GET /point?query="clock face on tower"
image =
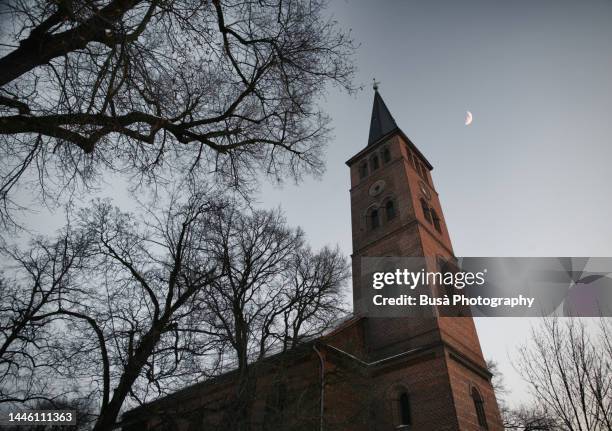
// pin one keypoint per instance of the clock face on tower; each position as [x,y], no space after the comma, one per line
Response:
[377,188]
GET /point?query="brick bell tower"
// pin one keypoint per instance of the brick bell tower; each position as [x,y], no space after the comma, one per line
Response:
[437,378]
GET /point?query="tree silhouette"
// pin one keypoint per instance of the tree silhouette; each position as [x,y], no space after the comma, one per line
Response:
[157,88]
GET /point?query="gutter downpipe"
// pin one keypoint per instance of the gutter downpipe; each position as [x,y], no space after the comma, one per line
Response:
[322,407]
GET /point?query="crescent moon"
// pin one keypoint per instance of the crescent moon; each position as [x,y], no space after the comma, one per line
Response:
[468,118]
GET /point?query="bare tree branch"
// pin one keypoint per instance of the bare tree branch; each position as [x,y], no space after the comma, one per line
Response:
[166,88]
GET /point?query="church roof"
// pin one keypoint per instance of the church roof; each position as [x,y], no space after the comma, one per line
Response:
[341,323]
[382,122]
[383,125]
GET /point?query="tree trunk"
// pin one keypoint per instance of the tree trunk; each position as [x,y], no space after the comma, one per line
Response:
[108,416]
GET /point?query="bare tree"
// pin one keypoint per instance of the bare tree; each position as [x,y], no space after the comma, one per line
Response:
[110,323]
[172,86]
[529,419]
[166,298]
[497,379]
[311,296]
[274,293]
[142,281]
[29,299]
[526,417]
[568,367]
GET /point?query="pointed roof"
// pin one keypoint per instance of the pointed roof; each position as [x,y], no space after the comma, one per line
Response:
[382,125]
[382,122]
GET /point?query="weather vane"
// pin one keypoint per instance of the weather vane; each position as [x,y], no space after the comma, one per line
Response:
[375,84]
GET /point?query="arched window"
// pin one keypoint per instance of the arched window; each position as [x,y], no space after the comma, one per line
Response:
[436,220]
[479,406]
[374,162]
[404,409]
[426,211]
[374,219]
[386,155]
[390,209]
[363,170]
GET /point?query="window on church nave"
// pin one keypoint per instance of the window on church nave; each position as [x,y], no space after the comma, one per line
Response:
[276,404]
[479,406]
[404,409]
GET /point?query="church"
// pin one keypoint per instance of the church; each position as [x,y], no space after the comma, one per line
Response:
[368,373]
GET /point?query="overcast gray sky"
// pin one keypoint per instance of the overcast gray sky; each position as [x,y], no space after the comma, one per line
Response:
[531,176]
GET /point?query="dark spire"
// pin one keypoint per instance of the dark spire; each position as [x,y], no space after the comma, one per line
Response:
[382,121]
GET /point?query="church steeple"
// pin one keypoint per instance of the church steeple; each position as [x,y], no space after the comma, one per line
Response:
[396,213]
[382,122]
